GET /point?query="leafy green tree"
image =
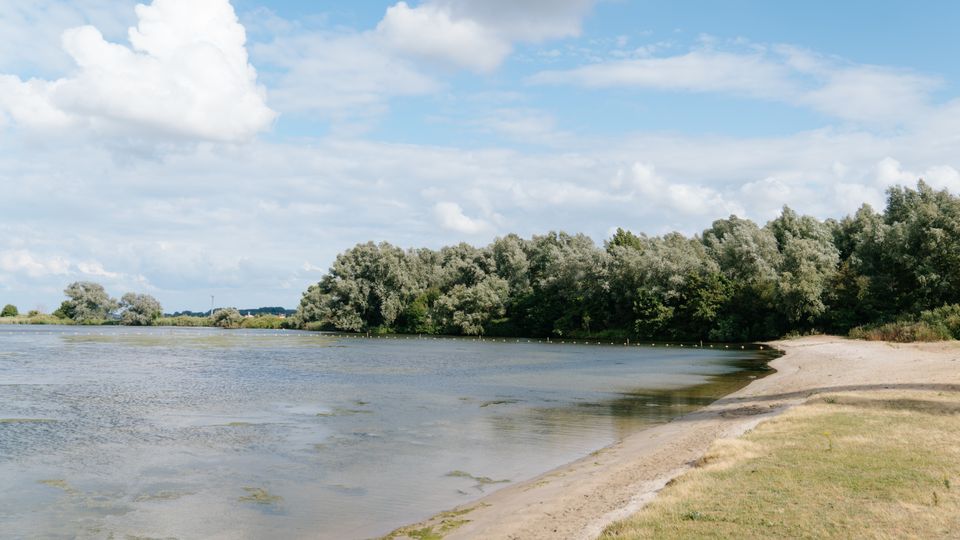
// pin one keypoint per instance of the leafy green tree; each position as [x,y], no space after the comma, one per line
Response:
[625,238]
[809,265]
[469,309]
[226,318]
[139,309]
[9,310]
[87,302]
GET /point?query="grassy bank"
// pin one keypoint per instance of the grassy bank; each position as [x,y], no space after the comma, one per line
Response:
[867,465]
[35,319]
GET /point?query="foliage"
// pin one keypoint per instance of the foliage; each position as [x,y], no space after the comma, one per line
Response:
[139,309]
[226,318]
[737,281]
[87,302]
[34,317]
[9,310]
[901,332]
[183,320]
[268,322]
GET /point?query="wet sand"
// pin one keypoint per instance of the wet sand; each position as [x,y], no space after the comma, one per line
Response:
[577,500]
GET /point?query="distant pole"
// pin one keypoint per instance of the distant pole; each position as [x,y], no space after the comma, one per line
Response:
[211,305]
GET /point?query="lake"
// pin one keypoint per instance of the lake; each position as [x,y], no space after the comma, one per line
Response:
[206,433]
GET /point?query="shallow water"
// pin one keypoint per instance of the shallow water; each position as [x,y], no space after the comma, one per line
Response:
[203,433]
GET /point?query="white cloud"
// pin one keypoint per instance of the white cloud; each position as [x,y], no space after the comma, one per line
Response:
[867,94]
[186,74]
[651,190]
[477,35]
[699,71]
[527,20]
[451,217]
[339,75]
[23,261]
[890,172]
[429,31]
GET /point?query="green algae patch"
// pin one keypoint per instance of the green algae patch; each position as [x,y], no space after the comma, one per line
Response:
[260,496]
[162,496]
[341,411]
[498,402]
[481,481]
[435,528]
[61,484]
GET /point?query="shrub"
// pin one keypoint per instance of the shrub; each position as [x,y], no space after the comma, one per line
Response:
[227,318]
[183,320]
[902,332]
[9,310]
[946,317]
[271,322]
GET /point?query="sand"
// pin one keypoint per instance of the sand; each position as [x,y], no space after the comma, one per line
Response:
[577,500]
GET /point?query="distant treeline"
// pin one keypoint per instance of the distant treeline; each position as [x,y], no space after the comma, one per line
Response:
[736,281]
[272,310]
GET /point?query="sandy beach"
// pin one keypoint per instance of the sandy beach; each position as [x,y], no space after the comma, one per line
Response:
[577,500]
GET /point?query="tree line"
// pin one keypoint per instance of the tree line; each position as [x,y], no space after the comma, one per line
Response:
[737,281]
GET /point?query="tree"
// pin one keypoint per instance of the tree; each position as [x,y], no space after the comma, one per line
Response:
[87,302]
[139,309]
[469,309]
[227,318]
[9,310]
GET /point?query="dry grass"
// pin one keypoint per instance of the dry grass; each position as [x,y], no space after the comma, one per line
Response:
[852,465]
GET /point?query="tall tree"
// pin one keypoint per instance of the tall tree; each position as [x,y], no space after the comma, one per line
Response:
[87,301]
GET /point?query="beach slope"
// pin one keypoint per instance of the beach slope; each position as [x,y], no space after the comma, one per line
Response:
[577,500]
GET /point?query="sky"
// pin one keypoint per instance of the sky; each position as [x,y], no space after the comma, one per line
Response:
[189,148]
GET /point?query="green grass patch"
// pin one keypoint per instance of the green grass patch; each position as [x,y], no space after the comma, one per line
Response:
[853,465]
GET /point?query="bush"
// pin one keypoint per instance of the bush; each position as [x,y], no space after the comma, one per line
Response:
[183,320]
[946,317]
[270,322]
[227,318]
[902,332]
[9,310]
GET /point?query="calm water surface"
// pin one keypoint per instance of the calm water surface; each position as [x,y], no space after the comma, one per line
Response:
[202,433]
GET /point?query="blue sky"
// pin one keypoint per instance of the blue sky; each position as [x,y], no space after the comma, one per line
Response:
[185,148]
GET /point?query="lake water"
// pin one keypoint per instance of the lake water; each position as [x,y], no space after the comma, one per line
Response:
[204,433]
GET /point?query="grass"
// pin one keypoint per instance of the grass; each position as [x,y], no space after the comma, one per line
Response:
[852,465]
[35,319]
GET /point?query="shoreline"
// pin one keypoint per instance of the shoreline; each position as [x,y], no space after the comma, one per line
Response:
[579,499]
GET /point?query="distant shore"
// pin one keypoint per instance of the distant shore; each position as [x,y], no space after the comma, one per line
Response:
[577,500]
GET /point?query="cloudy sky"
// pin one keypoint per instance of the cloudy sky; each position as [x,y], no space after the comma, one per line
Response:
[185,148]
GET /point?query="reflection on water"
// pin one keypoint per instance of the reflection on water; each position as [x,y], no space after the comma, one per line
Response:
[246,434]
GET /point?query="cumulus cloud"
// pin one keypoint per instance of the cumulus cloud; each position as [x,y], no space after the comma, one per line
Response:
[652,190]
[429,31]
[891,172]
[185,74]
[450,216]
[477,35]
[23,261]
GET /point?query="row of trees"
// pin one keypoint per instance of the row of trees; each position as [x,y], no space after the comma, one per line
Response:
[89,302]
[736,281]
